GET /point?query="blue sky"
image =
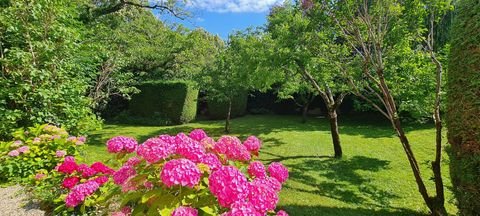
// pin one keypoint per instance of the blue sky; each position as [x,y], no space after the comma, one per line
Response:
[222,17]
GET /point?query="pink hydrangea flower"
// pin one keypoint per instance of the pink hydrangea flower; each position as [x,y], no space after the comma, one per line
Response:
[228,185]
[232,147]
[274,183]
[253,144]
[23,149]
[282,213]
[155,149]
[82,139]
[189,148]
[80,192]
[257,169]
[99,167]
[101,180]
[60,153]
[148,185]
[197,134]
[13,153]
[180,172]
[68,167]
[262,196]
[129,185]
[185,211]
[133,161]
[242,209]
[70,182]
[39,176]
[123,174]
[71,139]
[16,144]
[69,158]
[86,170]
[36,140]
[121,143]
[211,160]
[278,171]
[126,211]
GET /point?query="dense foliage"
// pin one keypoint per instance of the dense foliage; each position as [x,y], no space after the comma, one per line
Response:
[36,150]
[218,109]
[174,101]
[463,106]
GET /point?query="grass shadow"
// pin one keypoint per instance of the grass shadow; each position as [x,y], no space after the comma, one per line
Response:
[301,210]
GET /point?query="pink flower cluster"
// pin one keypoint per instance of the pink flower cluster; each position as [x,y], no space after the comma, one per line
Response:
[155,149]
[233,148]
[197,134]
[185,211]
[18,151]
[229,185]
[121,144]
[278,171]
[253,144]
[94,176]
[180,172]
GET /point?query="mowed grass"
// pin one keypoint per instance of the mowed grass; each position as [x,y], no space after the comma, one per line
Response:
[373,177]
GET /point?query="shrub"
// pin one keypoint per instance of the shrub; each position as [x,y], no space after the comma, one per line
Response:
[37,148]
[186,175]
[218,109]
[174,100]
[463,106]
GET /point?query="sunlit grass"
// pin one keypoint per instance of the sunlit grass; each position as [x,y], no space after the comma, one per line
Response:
[373,177]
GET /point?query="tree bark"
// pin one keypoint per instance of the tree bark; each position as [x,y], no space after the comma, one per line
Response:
[332,116]
[227,121]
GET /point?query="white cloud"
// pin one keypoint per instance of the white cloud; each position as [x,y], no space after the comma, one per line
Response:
[235,6]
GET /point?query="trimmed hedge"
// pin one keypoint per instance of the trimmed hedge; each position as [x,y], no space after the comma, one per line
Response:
[218,109]
[463,106]
[172,100]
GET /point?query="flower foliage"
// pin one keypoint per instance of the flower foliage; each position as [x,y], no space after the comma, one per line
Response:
[19,157]
[183,175]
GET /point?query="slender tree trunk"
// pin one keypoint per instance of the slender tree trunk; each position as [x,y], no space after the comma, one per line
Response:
[305,112]
[332,116]
[227,121]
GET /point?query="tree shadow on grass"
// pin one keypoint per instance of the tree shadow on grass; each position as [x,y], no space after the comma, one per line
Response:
[300,210]
[343,181]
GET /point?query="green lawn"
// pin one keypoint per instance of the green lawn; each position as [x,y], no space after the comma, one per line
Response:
[373,177]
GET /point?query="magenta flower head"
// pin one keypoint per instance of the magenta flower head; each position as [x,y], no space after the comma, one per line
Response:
[257,169]
[68,166]
[212,161]
[262,196]
[155,149]
[39,176]
[253,144]
[232,147]
[207,143]
[99,167]
[282,213]
[242,209]
[133,161]
[60,153]
[278,171]
[197,134]
[23,149]
[13,153]
[80,192]
[82,139]
[123,174]
[228,185]
[180,172]
[86,171]
[189,148]
[101,180]
[121,143]
[185,211]
[70,182]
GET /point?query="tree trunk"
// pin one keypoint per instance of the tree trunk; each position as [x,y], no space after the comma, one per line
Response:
[332,115]
[227,121]
[305,112]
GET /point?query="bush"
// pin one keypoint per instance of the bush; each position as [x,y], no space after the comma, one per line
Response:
[218,109]
[463,106]
[172,175]
[37,148]
[174,100]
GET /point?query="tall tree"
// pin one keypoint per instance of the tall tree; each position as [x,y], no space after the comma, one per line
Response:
[307,47]
[463,106]
[377,32]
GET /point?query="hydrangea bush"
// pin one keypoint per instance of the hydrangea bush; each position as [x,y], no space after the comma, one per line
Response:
[182,175]
[35,151]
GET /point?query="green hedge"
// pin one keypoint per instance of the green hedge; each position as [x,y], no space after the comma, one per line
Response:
[463,106]
[173,100]
[218,109]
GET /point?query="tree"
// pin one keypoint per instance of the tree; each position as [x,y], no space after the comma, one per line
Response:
[463,109]
[307,48]
[377,31]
